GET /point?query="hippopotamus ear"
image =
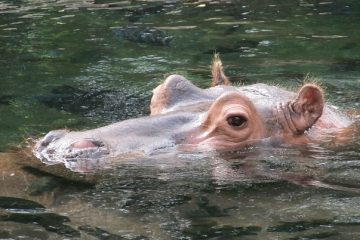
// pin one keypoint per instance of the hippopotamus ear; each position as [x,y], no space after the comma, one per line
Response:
[217,72]
[307,107]
[174,92]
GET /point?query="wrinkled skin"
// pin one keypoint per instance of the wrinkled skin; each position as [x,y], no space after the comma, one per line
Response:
[271,112]
[187,118]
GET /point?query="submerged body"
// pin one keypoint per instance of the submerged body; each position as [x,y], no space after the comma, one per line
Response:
[183,116]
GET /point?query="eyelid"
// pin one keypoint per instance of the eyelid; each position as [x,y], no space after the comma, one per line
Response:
[234,110]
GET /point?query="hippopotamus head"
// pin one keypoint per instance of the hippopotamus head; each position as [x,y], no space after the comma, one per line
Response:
[187,118]
[234,117]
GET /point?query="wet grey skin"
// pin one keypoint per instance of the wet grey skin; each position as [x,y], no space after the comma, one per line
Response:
[183,112]
[268,100]
[142,135]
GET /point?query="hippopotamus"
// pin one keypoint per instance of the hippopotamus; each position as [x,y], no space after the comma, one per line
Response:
[185,117]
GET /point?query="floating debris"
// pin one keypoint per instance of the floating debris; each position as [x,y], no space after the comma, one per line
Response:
[143,35]
[52,222]
[19,203]
[329,36]
[5,100]
[239,46]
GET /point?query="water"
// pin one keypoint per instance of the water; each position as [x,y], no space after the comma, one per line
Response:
[63,65]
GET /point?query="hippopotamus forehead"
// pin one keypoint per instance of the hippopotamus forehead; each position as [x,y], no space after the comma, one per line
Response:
[253,92]
[179,94]
[263,91]
[262,96]
[265,97]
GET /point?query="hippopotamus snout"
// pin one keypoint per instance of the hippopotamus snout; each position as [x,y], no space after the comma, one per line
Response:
[61,146]
[42,149]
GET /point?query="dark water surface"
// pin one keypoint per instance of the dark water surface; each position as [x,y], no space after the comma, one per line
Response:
[67,63]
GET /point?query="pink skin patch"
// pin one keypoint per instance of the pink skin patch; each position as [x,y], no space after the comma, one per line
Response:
[83,144]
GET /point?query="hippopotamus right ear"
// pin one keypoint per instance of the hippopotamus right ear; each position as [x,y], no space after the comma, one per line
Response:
[307,107]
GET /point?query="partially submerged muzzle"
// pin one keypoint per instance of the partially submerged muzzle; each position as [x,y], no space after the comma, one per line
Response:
[53,149]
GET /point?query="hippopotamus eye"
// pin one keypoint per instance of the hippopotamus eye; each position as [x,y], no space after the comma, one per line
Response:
[236,121]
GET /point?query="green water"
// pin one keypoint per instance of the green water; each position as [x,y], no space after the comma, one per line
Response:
[63,66]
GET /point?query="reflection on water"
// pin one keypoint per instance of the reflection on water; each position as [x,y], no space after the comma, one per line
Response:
[283,193]
[63,65]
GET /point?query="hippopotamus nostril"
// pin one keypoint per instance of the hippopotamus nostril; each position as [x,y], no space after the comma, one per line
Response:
[50,151]
[87,143]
